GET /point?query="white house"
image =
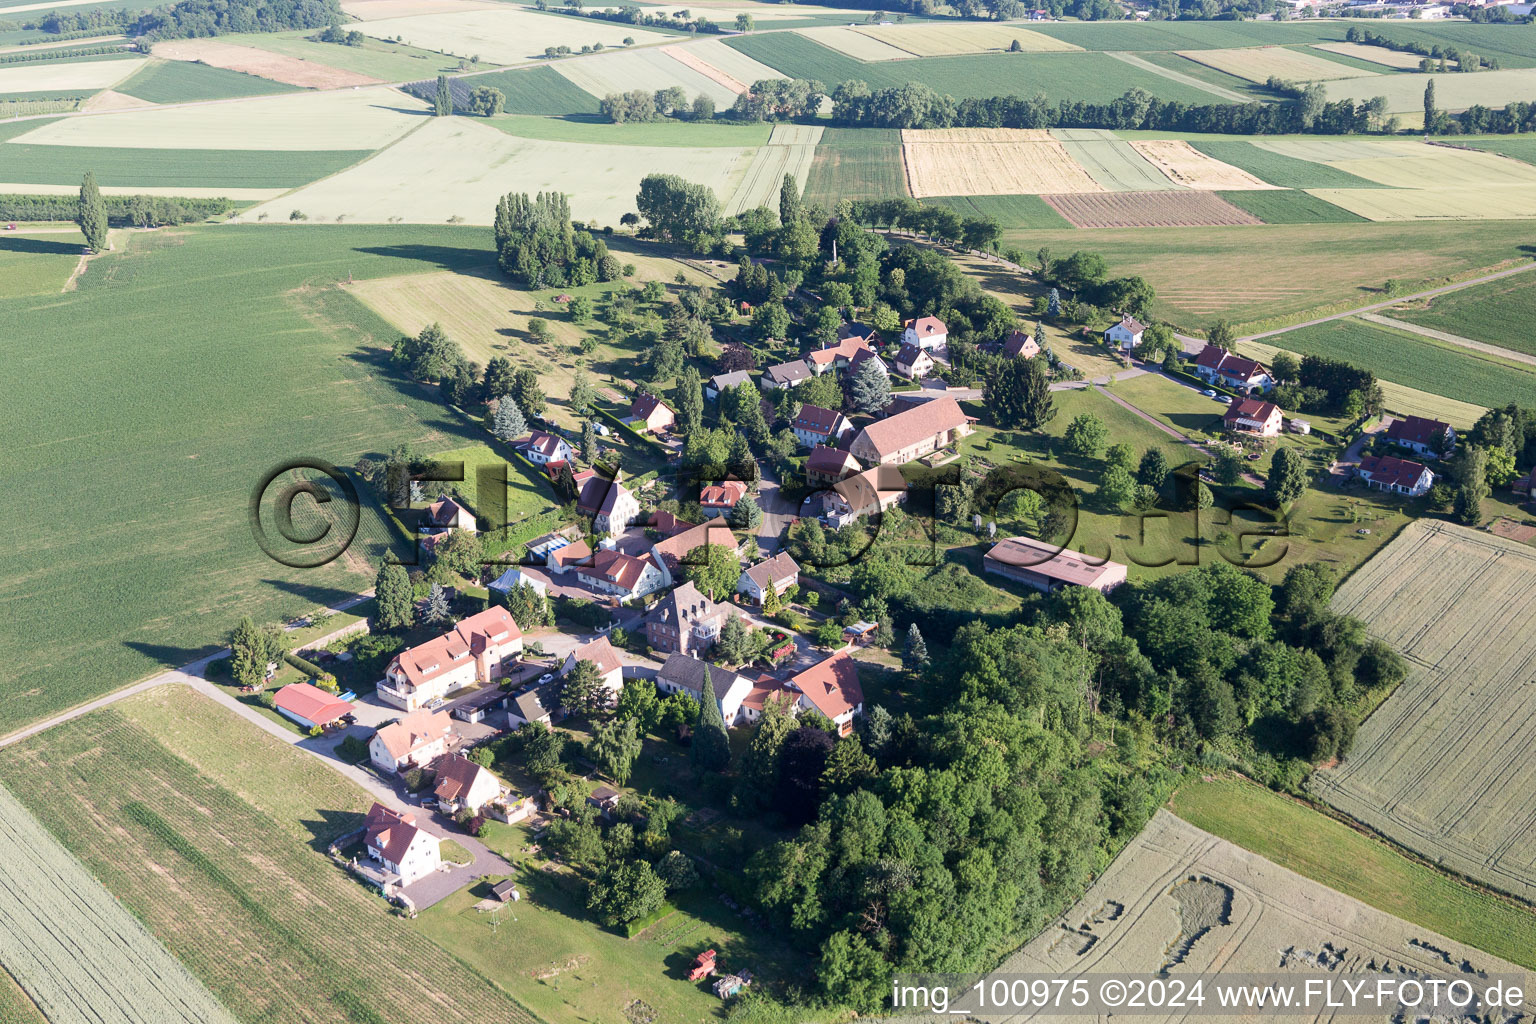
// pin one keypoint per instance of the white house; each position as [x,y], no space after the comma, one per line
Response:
[814,425]
[785,375]
[609,503]
[1219,366]
[1126,334]
[779,573]
[600,653]
[542,448]
[395,842]
[729,689]
[629,577]
[1398,476]
[722,382]
[913,361]
[446,514]
[478,650]
[926,332]
[1424,436]
[1251,416]
[462,785]
[831,687]
[417,739]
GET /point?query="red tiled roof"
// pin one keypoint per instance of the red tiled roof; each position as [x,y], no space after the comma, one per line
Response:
[444,511]
[779,567]
[1020,344]
[832,686]
[677,547]
[1417,430]
[598,494]
[310,703]
[1250,409]
[574,553]
[544,443]
[845,349]
[926,325]
[455,775]
[470,637]
[390,832]
[666,523]
[600,653]
[414,731]
[722,495]
[830,461]
[644,405]
[617,568]
[1131,324]
[813,419]
[1388,469]
[1228,364]
[1062,564]
[913,425]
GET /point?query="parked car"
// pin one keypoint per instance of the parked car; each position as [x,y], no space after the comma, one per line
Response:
[1209,393]
[547,677]
[435,703]
[1225,399]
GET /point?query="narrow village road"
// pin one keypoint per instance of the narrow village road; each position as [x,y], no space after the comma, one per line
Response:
[1177,435]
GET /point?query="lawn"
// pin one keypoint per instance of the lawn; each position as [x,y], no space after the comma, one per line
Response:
[598,131]
[856,163]
[1285,171]
[179,81]
[1290,206]
[1499,313]
[527,492]
[207,169]
[36,264]
[1295,836]
[539,90]
[227,351]
[1012,212]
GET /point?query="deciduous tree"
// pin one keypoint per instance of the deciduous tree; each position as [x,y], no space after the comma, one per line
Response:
[394,607]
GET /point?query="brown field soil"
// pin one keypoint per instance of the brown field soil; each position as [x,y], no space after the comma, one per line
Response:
[1149,210]
[374,10]
[1191,168]
[110,99]
[1007,162]
[707,69]
[263,63]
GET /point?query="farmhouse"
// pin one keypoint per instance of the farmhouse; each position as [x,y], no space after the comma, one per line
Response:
[406,852]
[836,357]
[628,577]
[1424,436]
[814,425]
[462,785]
[1399,476]
[682,673]
[477,650]
[779,573]
[672,552]
[912,433]
[685,621]
[1022,346]
[542,448]
[718,499]
[827,466]
[609,503]
[1252,416]
[914,362]
[447,514]
[722,382]
[925,332]
[875,490]
[1126,334]
[786,375]
[309,705]
[1219,366]
[1049,568]
[650,415]
[831,687]
[600,653]
[417,739]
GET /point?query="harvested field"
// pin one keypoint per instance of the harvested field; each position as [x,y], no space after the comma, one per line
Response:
[790,150]
[85,76]
[74,950]
[1182,900]
[1467,202]
[1148,210]
[1445,765]
[379,59]
[377,10]
[1112,163]
[1277,169]
[1012,162]
[850,42]
[262,63]
[1453,90]
[728,61]
[1421,166]
[937,39]
[1259,63]
[1375,54]
[109,99]
[856,163]
[506,35]
[1187,166]
[690,59]
[640,69]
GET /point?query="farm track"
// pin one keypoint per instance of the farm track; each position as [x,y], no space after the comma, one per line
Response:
[1453,339]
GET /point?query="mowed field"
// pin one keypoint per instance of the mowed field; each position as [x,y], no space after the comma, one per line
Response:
[1182,163]
[1279,169]
[63,76]
[34,264]
[379,59]
[648,69]
[1113,164]
[226,864]
[251,60]
[1445,765]
[1498,313]
[990,161]
[1260,63]
[1453,90]
[850,42]
[1148,210]
[504,34]
[1399,59]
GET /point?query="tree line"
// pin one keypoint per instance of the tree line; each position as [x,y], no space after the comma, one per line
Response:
[187,19]
[120,211]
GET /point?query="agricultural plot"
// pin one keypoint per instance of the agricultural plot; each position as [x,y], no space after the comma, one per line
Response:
[1497,313]
[598,131]
[1516,147]
[724,60]
[231,173]
[1182,163]
[378,59]
[1113,164]
[1290,206]
[990,161]
[377,10]
[35,264]
[790,150]
[175,81]
[506,35]
[1148,210]
[109,100]
[1444,766]
[249,60]
[86,76]
[1260,63]
[640,69]
[1188,35]
[1012,212]
[1177,69]
[458,168]
[1403,164]
[1453,90]
[1469,202]
[529,91]
[1398,59]
[856,163]
[938,39]
[1277,169]
[76,952]
[850,42]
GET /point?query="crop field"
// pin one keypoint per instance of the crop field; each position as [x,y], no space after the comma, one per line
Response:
[850,42]
[1290,206]
[375,10]
[856,163]
[1443,766]
[35,264]
[1113,164]
[1453,90]
[1413,165]
[86,76]
[689,59]
[1179,69]
[948,163]
[725,60]
[540,91]
[1189,35]
[595,130]
[1498,313]
[1467,202]
[458,167]
[74,949]
[1374,54]
[937,39]
[243,895]
[1184,164]
[108,100]
[211,172]
[506,35]
[1260,63]
[1148,210]
[348,119]
[176,81]
[1514,49]
[790,150]
[1517,147]
[1278,169]
[378,59]
[649,69]
[1009,211]
[251,60]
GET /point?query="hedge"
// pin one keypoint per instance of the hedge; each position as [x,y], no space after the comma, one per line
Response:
[122,211]
[37,55]
[661,449]
[640,924]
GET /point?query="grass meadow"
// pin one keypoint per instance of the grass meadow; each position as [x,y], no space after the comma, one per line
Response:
[179,81]
[198,358]
[383,59]
[856,163]
[1499,313]
[35,264]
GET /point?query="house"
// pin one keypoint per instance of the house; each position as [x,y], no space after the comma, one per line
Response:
[600,653]
[668,525]
[1049,568]
[541,546]
[477,650]
[1126,334]
[779,572]
[474,708]
[1252,416]
[672,553]
[785,375]
[765,688]
[859,332]
[914,362]
[685,621]
[911,433]
[686,674]
[718,499]
[417,739]
[406,852]
[627,576]
[875,490]
[542,448]
[609,503]
[831,686]
[564,559]
[514,578]
[447,514]
[1399,476]
[925,332]
[1019,345]
[722,382]
[1216,365]
[650,415]
[463,785]
[533,707]
[309,706]
[1522,485]
[826,466]
[814,425]
[1427,437]
[866,355]
[837,356]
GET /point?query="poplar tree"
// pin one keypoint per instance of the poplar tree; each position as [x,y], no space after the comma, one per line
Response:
[444,105]
[92,214]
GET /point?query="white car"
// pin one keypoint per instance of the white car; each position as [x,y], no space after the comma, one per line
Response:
[1208,393]
[547,677]
[1225,399]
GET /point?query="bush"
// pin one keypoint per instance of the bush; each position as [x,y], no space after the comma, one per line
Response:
[417,779]
[352,750]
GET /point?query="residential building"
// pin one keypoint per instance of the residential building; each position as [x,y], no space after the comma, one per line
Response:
[514,578]
[667,524]
[912,433]
[627,576]
[1019,345]
[875,490]
[447,514]
[1398,476]
[826,466]
[478,650]
[563,559]
[1426,437]
[1049,568]
[765,688]
[462,785]
[838,356]
[672,553]
[650,415]
[779,573]
[309,705]
[865,355]
[406,851]
[1219,366]
[722,382]
[785,375]
[600,653]
[831,686]
[814,425]
[686,674]
[609,503]
[863,333]
[1126,334]
[1251,416]
[542,448]
[685,621]
[414,741]
[718,499]
[914,362]
[925,332]
[536,706]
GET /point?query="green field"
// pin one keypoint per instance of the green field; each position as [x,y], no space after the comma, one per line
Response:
[388,61]
[1297,837]
[595,130]
[1204,73]
[35,264]
[26,163]
[1009,211]
[64,56]
[1514,47]
[227,351]
[1418,362]
[1290,206]
[179,81]
[1285,171]
[1189,35]
[528,493]
[1499,313]
[537,90]
[1519,147]
[1089,77]
[856,163]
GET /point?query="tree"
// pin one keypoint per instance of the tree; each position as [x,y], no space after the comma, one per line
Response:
[1019,395]
[744,22]
[829,634]
[443,105]
[1153,469]
[1431,115]
[624,892]
[869,390]
[735,644]
[437,611]
[588,442]
[486,101]
[580,309]
[461,552]
[1228,468]
[1471,474]
[1284,366]
[508,423]
[676,871]
[916,655]
[745,515]
[616,747]
[582,690]
[91,214]
[1220,334]
[1287,477]
[789,200]
[527,392]
[688,401]
[252,649]
[1022,506]
[1053,307]
[852,972]
[711,750]
[703,107]
[1086,436]
[1117,490]
[714,570]
[1120,455]
[678,208]
[394,607]
[640,702]
[770,321]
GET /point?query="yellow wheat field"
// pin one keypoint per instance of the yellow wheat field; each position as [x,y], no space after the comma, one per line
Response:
[1463,202]
[1187,166]
[85,75]
[851,43]
[1375,54]
[990,161]
[506,35]
[1259,63]
[935,39]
